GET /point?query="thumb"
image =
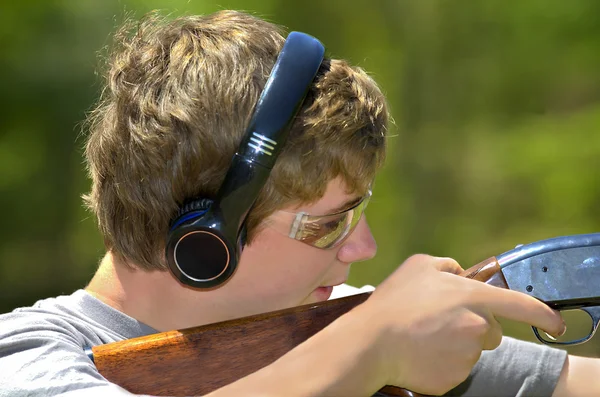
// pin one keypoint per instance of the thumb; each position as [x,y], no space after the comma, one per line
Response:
[447,265]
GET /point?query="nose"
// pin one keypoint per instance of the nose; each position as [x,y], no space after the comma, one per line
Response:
[360,245]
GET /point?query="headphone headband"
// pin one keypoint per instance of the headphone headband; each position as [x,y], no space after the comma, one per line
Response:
[282,96]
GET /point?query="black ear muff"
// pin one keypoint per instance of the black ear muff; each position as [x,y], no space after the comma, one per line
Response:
[194,205]
[189,210]
[205,241]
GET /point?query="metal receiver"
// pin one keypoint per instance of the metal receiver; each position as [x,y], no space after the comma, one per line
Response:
[563,272]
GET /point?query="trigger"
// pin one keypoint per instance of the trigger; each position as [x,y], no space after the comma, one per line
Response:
[550,341]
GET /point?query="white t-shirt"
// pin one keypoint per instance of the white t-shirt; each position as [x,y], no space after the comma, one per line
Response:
[339,291]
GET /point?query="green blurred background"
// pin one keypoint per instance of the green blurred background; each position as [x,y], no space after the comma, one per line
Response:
[496,103]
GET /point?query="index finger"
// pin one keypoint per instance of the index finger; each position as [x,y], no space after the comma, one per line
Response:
[518,306]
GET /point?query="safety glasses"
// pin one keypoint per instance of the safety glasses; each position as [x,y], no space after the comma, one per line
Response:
[321,231]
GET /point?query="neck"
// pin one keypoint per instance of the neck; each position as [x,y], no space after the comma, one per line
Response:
[153,297]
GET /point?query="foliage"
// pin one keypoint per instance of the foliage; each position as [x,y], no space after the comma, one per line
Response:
[495,103]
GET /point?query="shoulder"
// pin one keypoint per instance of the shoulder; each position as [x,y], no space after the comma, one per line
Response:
[38,349]
[58,325]
[42,346]
[69,318]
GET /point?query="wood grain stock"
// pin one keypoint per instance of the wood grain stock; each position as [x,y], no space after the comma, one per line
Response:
[488,272]
[199,360]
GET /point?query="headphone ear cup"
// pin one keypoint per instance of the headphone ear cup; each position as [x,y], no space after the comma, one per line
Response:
[198,253]
[194,205]
[201,205]
[243,235]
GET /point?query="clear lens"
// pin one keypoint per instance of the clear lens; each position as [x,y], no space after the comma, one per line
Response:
[325,231]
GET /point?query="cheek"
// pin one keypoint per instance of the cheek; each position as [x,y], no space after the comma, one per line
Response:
[275,267]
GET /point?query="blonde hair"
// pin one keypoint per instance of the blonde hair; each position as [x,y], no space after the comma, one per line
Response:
[178,97]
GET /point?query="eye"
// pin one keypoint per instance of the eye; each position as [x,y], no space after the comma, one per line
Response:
[352,204]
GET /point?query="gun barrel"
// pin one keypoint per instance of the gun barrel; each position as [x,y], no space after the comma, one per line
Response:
[527,251]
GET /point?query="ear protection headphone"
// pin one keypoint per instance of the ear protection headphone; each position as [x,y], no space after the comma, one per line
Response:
[206,238]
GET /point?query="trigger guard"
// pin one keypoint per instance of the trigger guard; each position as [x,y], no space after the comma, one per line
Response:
[536,332]
[593,312]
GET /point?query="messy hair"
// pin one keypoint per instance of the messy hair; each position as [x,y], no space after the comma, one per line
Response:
[178,96]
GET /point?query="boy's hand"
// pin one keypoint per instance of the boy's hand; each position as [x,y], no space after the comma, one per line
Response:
[433,325]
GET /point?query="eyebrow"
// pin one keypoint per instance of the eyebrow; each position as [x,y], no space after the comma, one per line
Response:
[345,205]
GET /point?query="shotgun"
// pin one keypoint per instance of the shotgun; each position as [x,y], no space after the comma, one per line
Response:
[563,272]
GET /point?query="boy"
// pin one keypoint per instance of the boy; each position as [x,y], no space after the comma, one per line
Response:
[179,95]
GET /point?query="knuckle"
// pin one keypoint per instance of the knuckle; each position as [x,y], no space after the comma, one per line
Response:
[471,293]
[450,261]
[495,342]
[472,357]
[477,325]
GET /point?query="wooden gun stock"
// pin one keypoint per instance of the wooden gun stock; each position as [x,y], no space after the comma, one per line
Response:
[199,360]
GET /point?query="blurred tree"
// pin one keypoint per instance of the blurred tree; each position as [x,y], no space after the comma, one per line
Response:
[495,103]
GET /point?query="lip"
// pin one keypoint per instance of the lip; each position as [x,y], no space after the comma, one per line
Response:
[325,291]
